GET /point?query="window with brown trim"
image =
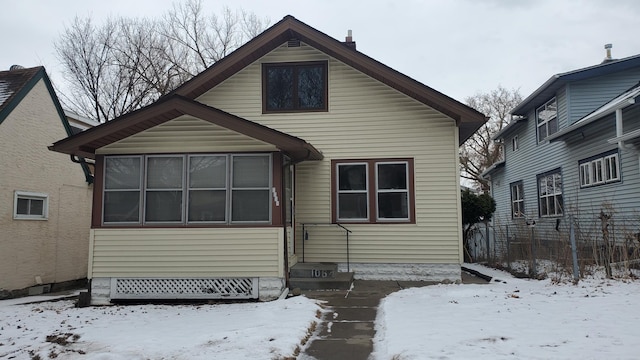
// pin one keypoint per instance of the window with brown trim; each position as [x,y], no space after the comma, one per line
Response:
[184,189]
[294,87]
[373,191]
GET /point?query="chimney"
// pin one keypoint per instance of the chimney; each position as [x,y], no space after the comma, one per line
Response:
[607,57]
[349,40]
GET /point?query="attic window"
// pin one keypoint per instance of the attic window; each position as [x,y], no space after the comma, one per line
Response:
[294,87]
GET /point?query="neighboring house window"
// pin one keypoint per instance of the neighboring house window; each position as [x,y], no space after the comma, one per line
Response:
[547,119]
[514,143]
[373,191]
[517,200]
[295,87]
[30,206]
[550,192]
[194,189]
[600,169]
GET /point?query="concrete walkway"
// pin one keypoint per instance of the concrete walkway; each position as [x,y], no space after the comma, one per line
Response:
[347,327]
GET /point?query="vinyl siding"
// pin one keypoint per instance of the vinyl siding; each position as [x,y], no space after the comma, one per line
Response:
[366,119]
[532,159]
[185,134]
[588,95]
[189,253]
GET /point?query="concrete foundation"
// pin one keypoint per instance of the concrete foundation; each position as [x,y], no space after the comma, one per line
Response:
[405,272]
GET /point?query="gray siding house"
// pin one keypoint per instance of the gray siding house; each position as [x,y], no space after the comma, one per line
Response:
[571,152]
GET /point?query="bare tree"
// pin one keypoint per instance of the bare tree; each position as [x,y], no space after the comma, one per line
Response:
[124,63]
[480,151]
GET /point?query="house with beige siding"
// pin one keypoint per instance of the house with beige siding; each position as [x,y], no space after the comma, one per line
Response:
[294,149]
[45,199]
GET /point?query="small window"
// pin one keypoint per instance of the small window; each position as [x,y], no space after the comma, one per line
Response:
[550,194]
[517,200]
[30,206]
[514,143]
[295,87]
[600,169]
[547,119]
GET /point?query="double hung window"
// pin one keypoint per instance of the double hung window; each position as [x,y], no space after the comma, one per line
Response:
[373,191]
[550,194]
[547,119]
[517,200]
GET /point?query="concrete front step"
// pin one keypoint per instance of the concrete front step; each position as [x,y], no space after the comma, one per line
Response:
[314,270]
[341,281]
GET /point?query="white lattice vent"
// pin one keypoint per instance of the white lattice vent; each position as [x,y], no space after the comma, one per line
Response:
[220,288]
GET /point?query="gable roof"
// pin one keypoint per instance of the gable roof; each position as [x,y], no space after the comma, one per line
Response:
[548,90]
[181,101]
[173,106]
[289,28]
[16,83]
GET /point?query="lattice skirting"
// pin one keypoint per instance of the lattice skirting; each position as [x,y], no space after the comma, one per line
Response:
[176,288]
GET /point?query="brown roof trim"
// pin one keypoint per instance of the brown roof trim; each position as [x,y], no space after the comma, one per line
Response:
[85,143]
[467,118]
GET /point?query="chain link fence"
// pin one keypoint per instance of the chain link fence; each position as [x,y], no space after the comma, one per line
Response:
[568,246]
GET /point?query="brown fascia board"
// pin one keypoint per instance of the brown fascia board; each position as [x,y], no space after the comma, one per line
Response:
[84,144]
[467,118]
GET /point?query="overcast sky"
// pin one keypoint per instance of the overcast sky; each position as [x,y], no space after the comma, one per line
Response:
[458,47]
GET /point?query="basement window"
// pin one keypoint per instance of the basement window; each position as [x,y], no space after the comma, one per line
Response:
[30,206]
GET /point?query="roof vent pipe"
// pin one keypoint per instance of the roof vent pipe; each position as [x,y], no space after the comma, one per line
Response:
[16,67]
[608,47]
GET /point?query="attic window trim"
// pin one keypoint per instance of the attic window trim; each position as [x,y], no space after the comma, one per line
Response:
[296,108]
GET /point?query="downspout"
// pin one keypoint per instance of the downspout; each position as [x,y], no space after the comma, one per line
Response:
[85,167]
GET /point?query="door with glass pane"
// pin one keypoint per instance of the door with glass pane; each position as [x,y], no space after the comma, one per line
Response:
[288,174]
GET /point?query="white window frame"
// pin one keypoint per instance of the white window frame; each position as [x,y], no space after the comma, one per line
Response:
[598,170]
[517,201]
[365,191]
[31,196]
[551,198]
[514,143]
[545,122]
[405,190]
[610,162]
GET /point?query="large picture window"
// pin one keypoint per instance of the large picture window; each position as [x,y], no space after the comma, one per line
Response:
[550,194]
[600,169]
[295,87]
[547,119]
[373,191]
[187,189]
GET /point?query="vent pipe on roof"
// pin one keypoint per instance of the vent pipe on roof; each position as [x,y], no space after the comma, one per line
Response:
[16,67]
[349,40]
[607,57]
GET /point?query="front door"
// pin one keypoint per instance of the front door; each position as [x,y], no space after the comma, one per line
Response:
[288,176]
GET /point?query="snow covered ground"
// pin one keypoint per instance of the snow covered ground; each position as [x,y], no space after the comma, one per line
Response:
[57,329]
[511,319]
[507,319]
